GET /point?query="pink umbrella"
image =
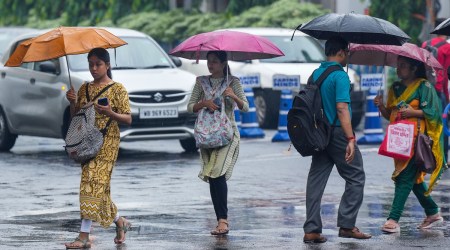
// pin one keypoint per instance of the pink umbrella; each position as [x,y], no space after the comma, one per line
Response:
[371,54]
[238,45]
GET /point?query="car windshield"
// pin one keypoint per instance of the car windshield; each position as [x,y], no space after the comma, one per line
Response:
[139,53]
[302,49]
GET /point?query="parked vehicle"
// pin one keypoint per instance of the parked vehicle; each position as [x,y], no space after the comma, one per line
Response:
[33,102]
[8,34]
[302,55]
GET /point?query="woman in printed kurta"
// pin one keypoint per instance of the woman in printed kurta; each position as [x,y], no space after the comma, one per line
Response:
[423,106]
[218,163]
[95,191]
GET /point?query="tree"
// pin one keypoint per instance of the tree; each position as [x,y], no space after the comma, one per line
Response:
[238,6]
[403,13]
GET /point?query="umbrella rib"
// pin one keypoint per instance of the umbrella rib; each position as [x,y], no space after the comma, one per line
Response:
[96,31]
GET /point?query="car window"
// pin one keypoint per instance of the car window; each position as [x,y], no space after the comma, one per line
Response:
[302,49]
[27,65]
[40,66]
[139,53]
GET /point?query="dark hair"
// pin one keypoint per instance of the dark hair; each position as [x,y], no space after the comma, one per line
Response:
[334,45]
[222,55]
[103,55]
[438,21]
[420,71]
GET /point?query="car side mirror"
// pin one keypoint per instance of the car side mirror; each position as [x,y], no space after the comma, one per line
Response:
[48,67]
[176,61]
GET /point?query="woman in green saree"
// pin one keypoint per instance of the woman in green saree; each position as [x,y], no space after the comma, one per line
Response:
[422,105]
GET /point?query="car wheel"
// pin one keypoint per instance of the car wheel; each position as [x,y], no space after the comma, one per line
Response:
[261,108]
[358,107]
[267,103]
[189,145]
[7,139]
[356,119]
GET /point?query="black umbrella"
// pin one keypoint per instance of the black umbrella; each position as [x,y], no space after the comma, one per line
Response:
[443,28]
[355,28]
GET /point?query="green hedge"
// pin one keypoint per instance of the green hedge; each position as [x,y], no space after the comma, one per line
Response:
[171,27]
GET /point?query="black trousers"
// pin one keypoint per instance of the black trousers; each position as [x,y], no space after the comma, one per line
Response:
[219,192]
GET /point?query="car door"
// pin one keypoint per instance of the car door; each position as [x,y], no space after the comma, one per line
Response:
[43,97]
[13,86]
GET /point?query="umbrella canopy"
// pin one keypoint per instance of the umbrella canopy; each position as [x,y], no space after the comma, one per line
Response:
[238,45]
[63,41]
[355,28]
[443,28]
[371,54]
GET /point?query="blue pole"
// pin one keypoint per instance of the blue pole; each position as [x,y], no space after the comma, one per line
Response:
[373,133]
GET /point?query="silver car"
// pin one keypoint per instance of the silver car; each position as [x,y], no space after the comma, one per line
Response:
[32,97]
[8,34]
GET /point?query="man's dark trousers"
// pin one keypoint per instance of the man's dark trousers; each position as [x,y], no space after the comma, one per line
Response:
[353,174]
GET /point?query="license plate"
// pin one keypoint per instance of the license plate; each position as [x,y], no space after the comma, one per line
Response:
[149,113]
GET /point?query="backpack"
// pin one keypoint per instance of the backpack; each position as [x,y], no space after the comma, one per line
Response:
[434,50]
[84,140]
[307,124]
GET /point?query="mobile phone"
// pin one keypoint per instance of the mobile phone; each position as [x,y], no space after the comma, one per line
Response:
[401,104]
[218,102]
[103,101]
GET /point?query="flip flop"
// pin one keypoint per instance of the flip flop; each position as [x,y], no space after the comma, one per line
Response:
[430,223]
[390,227]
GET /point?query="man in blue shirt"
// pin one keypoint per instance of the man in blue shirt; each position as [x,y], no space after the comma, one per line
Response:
[342,151]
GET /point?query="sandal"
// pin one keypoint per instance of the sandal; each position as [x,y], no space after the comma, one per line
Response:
[126,225]
[84,244]
[391,226]
[431,221]
[218,231]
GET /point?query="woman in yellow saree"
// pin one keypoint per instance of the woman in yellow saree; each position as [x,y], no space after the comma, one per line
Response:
[421,105]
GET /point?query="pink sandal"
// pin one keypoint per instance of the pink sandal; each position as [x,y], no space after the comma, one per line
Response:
[431,221]
[391,226]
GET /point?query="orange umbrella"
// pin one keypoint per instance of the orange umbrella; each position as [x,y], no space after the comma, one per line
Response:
[63,41]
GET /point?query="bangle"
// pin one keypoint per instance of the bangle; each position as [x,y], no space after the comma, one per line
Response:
[352,138]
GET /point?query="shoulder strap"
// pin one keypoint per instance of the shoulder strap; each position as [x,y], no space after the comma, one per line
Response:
[87,92]
[105,129]
[322,77]
[439,44]
[325,74]
[99,93]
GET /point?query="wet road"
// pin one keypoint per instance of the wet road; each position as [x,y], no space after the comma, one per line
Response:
[156,186]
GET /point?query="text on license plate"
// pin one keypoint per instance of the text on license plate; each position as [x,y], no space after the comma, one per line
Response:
[148,113]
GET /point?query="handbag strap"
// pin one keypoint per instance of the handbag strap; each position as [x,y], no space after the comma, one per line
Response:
[207,87]
[105,129]
[418,127]
[99,93]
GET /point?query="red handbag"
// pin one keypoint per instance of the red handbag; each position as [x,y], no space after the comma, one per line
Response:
[398,142]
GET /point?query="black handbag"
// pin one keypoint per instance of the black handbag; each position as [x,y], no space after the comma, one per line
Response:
[424,158]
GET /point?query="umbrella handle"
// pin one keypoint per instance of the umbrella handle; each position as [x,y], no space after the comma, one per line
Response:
[68,71]
[197,53]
